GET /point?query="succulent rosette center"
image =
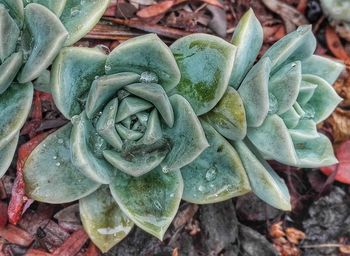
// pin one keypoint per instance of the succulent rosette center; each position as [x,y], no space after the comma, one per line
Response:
[128,112]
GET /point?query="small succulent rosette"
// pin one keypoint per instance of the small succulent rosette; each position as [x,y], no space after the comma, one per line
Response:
[32,32]
[151,125]
[121,155]
[338,13]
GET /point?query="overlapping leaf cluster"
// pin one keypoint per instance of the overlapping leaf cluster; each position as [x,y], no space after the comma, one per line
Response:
[151,125]
[32,32]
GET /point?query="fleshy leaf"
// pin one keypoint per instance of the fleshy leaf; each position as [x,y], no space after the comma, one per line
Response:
[264,182]
[42,83]
[305,130]
[248,37]
[217,174]
[106,125]
[15,104]
[228,116]
[306,91]
[205,62]
[71,76]
[324,100]
[9,69]
[285,84]
[48,35]
[50,175]
[15,8]
[154,129]
[132,56]
[6,154]
[80,16]
[254,93]
[323,67]
[139,159]
[298,45]
[104,88]
[273,140]
[103,220]
[187,138]
[157,201]
[83,154]
[56,6]
[155,94]
[291,118]
[128,134]
[313,152]
[9,33]
[130,106]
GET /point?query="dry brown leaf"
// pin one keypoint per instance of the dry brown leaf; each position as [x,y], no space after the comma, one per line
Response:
[334,44]
[156,9]
[72,245]
[276,230]
[175,252]
[185,215]
[340,123]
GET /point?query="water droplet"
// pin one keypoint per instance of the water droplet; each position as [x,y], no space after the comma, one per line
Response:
[103,48]
[54,157]
[273,104]
[75,119]
[110,122]
[201,188]
[172,195]
[60,141]
[309,111]
[210,175]
[158,205]
[108,68]
[165,169]
[96,77]
[74,11]
[58,164]
[148,77]
[293,65]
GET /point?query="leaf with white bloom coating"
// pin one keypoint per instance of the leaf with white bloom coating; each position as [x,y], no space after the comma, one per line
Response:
[306,91]
[306,129]
[79,17]
[205,62]
[9,33]
[325,68]
[273,140]
[324,100]
[9,69]
[84,148]
[104,88]
[217,174]
[15,8]
[158,198]
[48,35]
[285,84]
[298,45]
[6,154]
[228,116]
[264,182]
[62,182]
[103,220]
[254,93]
[15,104]
[56,6]
[248,37]
[186,137]
[131,56]
[71,76]
[314,152]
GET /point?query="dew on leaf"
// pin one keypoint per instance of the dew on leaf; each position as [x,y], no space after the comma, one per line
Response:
[211,173]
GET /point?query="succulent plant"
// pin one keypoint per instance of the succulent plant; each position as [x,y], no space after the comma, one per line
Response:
[32,32]
[338,13]
[151,125]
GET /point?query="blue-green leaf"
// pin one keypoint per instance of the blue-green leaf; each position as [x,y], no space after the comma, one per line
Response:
[228,116]
[9,69]
[50,175]
[325,68]
[186,137]
[254,93]
[145,53]
[103,220]
[72,74]
[80,16]
[217,174]
[16,11]
[273,140]
[205,62]
[6,154]
[48,35]
[157,201]
[264,182]
[248,37]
